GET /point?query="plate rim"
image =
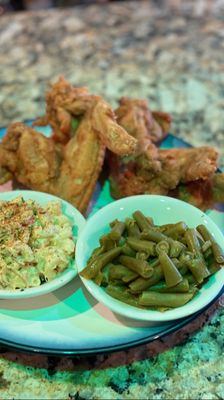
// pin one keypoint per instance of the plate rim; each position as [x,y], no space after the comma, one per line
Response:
[109,349]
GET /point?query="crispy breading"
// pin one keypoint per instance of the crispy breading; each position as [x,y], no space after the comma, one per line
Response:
[153,170]
[71,170]
[177,166]
[68,163]
[203,194]
[65,102]
[147,127]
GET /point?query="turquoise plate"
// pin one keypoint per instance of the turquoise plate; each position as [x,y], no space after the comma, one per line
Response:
[69,321]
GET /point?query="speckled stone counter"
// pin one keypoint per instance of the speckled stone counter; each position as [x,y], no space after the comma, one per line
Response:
[170,52]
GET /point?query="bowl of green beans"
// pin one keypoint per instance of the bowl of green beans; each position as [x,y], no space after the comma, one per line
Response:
[151,258]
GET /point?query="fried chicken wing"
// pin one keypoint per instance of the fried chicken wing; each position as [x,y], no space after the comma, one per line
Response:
[147,127]
[65,102]
[177,166]
[83,158]
[69,163]
[83,125]
[203,194]
[153,170]
[32,158]
[64,171]
[62,102]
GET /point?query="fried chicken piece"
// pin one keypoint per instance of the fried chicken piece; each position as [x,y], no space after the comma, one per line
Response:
[153,170]
[41,164]
[177,166]
[71,170]
[65,102]
[83,158]
[203,194]
[185,165]
[32,158]
[146,126]
[110,132]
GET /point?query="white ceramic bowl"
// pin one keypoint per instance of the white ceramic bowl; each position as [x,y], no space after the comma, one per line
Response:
[69,273]
[163,210]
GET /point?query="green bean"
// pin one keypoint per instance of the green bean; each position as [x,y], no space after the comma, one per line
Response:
[182,262]
[182,268]
[217,250]
[95,254]
[218,253]
[182,287]
[163,228]
[214,267]
[119,293]
[98,278]
[204,232]
[153,235]
[200,238]
[117,230]
[208,253]
[146,265]
[140,266]
[121,242]
[141,255]
[141,284]
[190,278]
[171,273]
[132,228]
[193,289]
[176,248]
[127,250]
[106,242]
[142,221]
[176,230]
[198,269]
[176,262]
[206,246]
[106,274]
[172,300]
[186,257]
[198,265]
[91,270]
[120,272]
[142,245]
[193,242]
[162,246]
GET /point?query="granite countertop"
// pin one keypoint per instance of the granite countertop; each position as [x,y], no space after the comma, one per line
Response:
[170,52]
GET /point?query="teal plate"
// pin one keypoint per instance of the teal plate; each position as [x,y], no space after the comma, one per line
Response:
[68,321]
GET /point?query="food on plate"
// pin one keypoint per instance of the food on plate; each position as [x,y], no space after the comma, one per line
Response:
[144,125]
[153,170]
[66,104]
[153,266]
[68,164]
[201,193]
[174,166]
[36,243]
[68,170]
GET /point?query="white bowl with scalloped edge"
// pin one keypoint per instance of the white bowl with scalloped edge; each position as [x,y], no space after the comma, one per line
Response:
[163,210]
[78,223]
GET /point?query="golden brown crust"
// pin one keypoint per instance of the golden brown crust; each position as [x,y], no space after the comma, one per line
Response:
[112,135]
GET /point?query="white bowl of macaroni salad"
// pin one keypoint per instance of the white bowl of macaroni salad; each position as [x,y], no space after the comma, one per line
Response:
[37,243]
